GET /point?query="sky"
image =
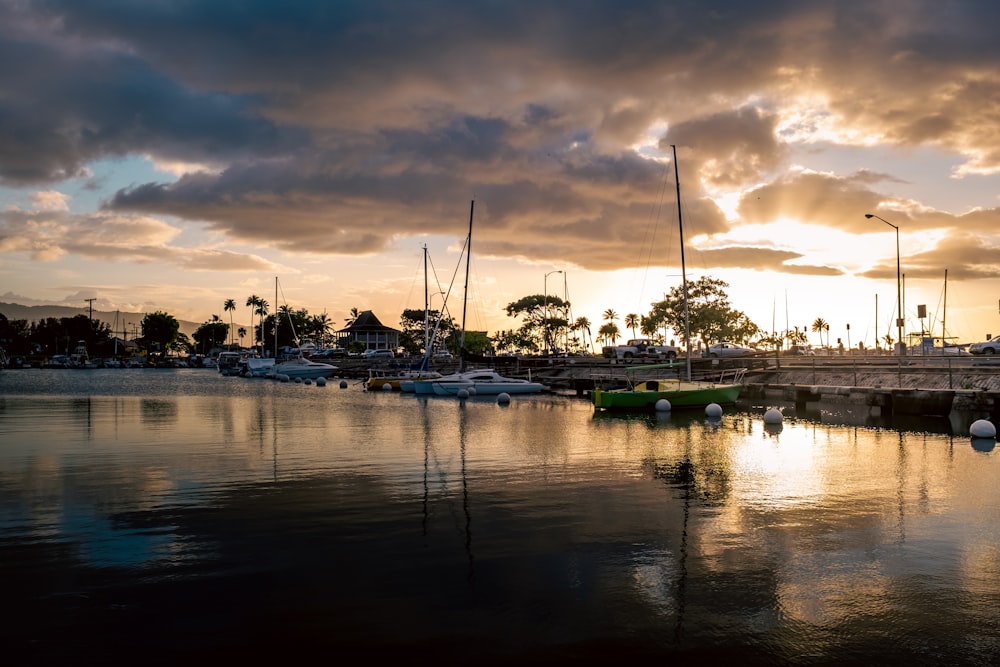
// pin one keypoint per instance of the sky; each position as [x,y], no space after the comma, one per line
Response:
[171,155]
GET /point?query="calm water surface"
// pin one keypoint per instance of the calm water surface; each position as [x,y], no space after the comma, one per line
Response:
[152,516]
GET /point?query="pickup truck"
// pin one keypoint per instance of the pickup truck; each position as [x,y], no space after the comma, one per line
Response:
[640,348]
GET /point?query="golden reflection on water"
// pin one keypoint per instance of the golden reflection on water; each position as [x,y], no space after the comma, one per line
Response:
[682,525]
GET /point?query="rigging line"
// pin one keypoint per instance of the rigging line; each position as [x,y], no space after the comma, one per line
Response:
[652,225]
[281,292]
[654,216]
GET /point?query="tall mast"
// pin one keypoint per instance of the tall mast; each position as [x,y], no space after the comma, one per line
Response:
[465,295]
[275,320]
[944,313]
[427,305]
[684,282]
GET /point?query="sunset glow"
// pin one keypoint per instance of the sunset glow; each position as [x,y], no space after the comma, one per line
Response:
[327,144]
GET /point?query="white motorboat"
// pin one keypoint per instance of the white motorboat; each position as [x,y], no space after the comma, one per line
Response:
[255,367]
[483,382]
[301,367]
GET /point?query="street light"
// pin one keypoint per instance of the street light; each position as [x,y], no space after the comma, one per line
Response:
[899,284]
[545,330]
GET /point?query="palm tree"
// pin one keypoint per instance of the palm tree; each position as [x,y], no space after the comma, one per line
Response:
[583,324]
[262,309]
[321,326]
[252,302]
[632,321]
[608,333]
[241,333]
[819,325]
[610,315]
[230,306]
[353,316]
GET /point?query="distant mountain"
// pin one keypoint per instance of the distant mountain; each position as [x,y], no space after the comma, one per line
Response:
[118,322]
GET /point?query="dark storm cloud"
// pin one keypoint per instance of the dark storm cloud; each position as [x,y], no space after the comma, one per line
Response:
[337,127]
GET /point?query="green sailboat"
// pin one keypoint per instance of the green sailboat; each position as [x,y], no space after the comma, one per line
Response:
[681,392]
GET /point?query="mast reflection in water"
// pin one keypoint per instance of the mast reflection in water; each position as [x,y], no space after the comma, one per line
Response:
[165,515]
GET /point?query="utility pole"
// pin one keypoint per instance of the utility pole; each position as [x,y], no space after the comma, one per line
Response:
[91,304]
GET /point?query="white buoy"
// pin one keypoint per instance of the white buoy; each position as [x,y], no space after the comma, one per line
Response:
[321,382]
[307,381]
[472,391]
[463,393]
[713,410]
[297,380]
[503,398]
[773,416]
[662,405]
[282,377]
[983,428]
[386,386]
[343,384]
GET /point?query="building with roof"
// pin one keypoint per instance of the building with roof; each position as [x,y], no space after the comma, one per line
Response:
[367,329]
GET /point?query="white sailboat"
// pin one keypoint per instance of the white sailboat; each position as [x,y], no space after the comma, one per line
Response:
[484,381]
[299,367]
[403,379]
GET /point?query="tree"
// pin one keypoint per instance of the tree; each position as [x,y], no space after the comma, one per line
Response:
[261,310]
[582,324]
[411,324]
[319,327]
[608,333]
[543,317]
[211,334]
[632,321]
[477,342]
[252,302]
[711,317]
[241,333]
[160,328]
[819,325]
[353,317]
[610,315]
[230,306]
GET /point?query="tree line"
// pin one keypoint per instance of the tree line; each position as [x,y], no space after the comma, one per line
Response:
[546,325]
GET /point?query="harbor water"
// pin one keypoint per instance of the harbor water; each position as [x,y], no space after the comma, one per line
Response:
[151,516]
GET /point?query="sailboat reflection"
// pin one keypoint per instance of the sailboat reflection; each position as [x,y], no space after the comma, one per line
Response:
[442,473]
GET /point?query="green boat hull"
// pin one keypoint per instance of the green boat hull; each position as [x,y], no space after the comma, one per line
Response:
[680,394]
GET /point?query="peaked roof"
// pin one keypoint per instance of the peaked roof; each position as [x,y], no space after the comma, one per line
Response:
[366,321]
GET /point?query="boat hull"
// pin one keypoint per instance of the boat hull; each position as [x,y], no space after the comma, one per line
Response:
[680,395]
[401,382]
[485,388]
[486,382]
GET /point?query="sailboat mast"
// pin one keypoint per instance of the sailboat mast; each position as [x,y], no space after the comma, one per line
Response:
[944,312]
[465,294]
[427,305]
[684,282]
[275,319]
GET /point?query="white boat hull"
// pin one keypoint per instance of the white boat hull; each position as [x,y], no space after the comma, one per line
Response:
[484,382]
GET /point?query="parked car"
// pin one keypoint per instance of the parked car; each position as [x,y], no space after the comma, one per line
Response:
[379,354]
[987,347]
[726,349]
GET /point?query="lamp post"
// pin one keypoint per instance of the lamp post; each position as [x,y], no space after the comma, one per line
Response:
[545,330]
[899,284]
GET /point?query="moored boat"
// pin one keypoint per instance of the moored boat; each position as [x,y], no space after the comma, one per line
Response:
[482,382]
[397,379]
[681,393]
[301,367]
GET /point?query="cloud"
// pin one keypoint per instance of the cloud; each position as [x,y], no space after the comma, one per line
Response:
[48,236]
[338,129]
